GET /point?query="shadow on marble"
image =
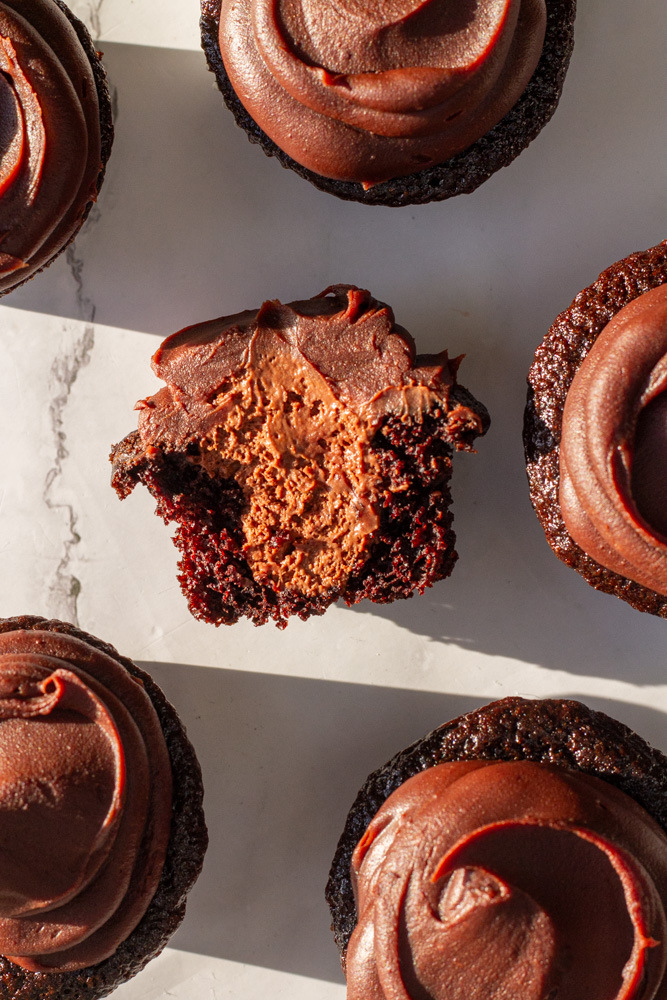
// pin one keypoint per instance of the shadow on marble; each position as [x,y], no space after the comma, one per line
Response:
[194,222]
[283,759]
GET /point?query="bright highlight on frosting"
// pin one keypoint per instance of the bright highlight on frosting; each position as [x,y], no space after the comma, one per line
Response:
[613,451]
[85,802]
[50,147]
[365,91]
[483,880]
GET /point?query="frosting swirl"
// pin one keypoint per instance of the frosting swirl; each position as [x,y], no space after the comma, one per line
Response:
[361,91]
[85,802]
[613,451]
[480,880]
[50,142]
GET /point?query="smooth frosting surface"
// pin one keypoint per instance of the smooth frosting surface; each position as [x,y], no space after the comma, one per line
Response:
[486,880]
[613,451]
[285,400]
[362,91]
[85,802]
[50,145]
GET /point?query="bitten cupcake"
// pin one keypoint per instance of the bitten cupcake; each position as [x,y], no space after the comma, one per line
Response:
[518,851]
[304,452]
[596,432]
[390,103]
[101,816]
[56,133]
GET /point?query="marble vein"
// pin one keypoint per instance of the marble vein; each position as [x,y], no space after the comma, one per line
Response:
[65,587]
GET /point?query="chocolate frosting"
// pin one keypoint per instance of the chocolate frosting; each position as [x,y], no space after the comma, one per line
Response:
[613,452]
[50,144]
[479,880]
[285,400]
[85,802]
[361,91]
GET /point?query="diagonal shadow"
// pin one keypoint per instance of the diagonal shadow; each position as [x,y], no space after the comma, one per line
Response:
[283,758]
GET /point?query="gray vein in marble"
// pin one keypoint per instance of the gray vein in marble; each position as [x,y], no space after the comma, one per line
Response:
[94,18]
[65,587]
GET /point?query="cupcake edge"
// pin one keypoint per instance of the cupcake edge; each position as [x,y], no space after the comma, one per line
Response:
[463,173]
[185,854]
[562,733]
[106,129]
[557,360]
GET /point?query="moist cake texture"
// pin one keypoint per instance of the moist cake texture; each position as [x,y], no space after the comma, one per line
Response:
[304,451]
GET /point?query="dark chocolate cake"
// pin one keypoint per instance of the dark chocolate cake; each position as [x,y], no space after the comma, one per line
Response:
[57,133]
[498,788]
[76,667]
[304,452]
[608,480]
[430,179]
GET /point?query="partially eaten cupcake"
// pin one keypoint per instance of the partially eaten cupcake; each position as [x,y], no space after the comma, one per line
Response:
[518,851]
[596,432]
[390,103]
[304,451]
[101,815]
[56,133]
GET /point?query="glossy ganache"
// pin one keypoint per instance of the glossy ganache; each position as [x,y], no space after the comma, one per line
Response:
[85,802]
[480,879]
[613,452]
[51,153]
[366,92]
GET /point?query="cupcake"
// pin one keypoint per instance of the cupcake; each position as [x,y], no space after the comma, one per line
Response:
[390,104]
[595,432]
[304,452]
[101,812]
[518,851]
[56,133]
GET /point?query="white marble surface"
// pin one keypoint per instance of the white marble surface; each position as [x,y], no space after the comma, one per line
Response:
[194,222]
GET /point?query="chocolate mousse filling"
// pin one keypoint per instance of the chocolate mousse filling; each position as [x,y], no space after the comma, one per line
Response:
[304,451]
[518,850]
[595,432]
[56,133]
[392,104]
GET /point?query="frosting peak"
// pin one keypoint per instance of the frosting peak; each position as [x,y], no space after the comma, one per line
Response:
[484,880]
[85,802]
[365,91]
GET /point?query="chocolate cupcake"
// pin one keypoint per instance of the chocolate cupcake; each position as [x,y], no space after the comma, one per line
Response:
[390,104]
[304,452]
[56,133]
[101,813]
[595,433]
[517,851]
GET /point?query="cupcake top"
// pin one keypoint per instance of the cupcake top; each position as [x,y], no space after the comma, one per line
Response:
[613,451]
[480,878]
[51,148]
[366,92]
[85,802]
